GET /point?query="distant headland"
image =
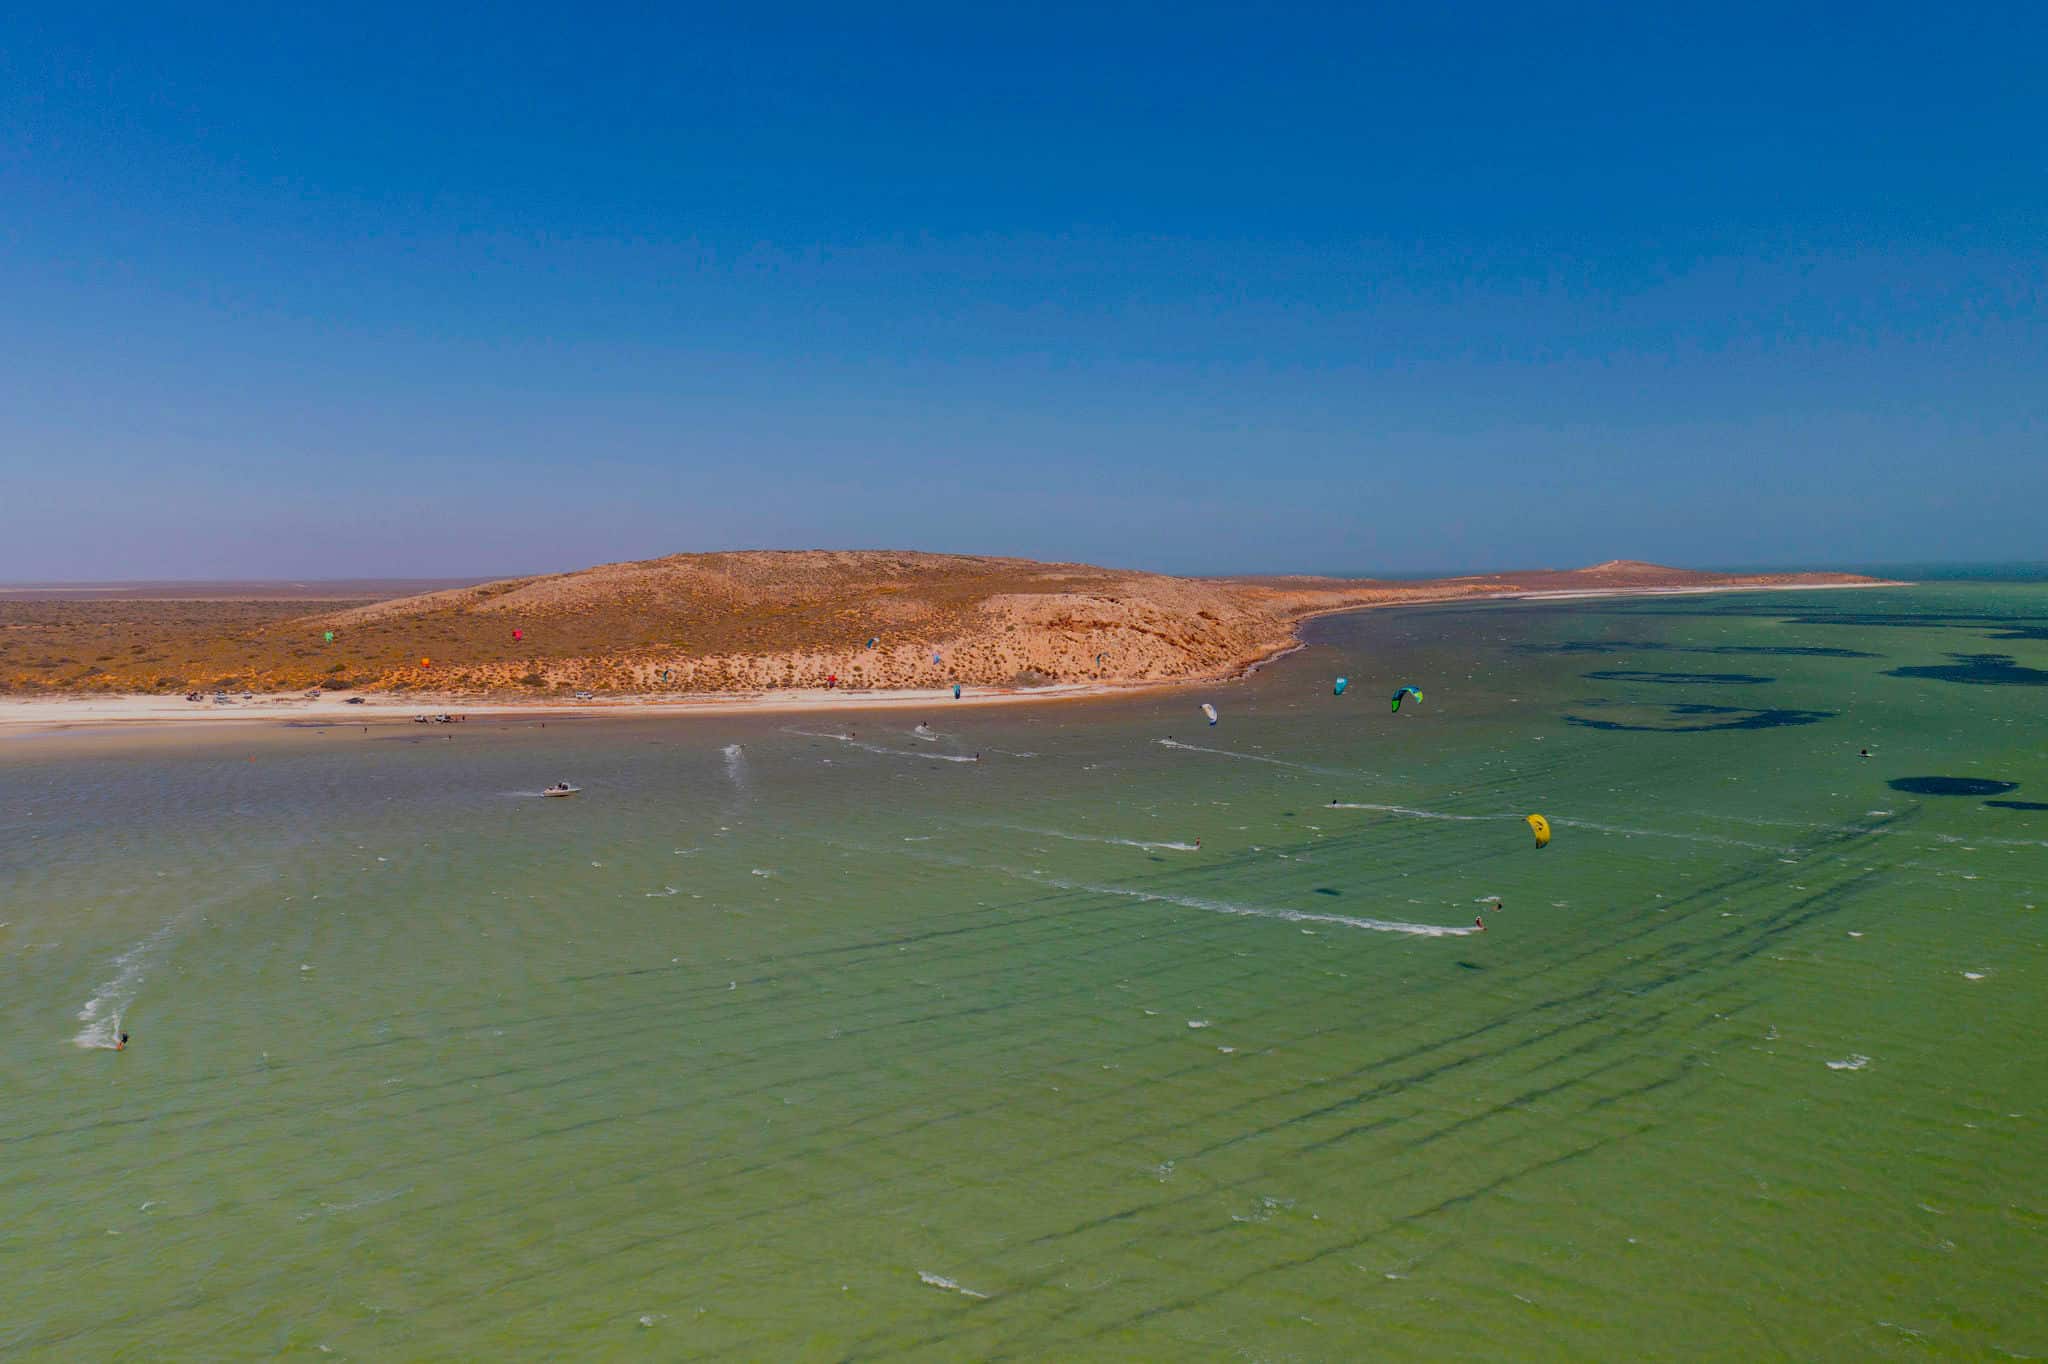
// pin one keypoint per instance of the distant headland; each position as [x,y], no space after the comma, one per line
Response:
[759,623]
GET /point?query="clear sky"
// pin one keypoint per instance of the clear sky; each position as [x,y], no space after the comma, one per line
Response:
[422,290]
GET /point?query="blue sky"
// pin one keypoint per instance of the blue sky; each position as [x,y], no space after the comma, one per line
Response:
[383,291]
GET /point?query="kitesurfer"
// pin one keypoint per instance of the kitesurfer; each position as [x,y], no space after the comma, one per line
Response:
[121,1043]
[1479,922]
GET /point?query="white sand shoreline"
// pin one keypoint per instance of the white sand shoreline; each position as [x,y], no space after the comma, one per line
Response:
[56,713]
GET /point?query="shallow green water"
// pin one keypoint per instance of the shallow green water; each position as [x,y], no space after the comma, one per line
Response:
[825,1047]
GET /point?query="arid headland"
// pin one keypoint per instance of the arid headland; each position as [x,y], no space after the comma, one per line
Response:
[741,622]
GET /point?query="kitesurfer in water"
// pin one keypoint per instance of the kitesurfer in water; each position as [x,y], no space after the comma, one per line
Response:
[1479,922]
[1863,753]
[121,1043]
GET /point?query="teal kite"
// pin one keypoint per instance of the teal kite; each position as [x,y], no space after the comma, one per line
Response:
[1415,692]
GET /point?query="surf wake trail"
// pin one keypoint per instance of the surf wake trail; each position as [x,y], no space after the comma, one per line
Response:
[877,748]
[1244,911]
[1410,812]
[1235,909]
[1258,758]
[1101,838]
[102,1013]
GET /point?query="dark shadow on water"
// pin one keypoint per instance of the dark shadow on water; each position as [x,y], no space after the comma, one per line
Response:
[1470,966]
[2019,804]
[1951,786]
[1766,610]
[1996,627]
[1649,646]
[1979,670]
[1327,890]
[1736,717]
[1680,679]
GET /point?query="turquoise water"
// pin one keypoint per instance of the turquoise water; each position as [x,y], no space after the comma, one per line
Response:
[809,1037]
